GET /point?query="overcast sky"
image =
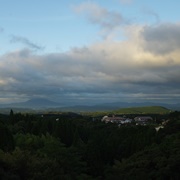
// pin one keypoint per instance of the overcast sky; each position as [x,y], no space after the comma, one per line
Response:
[92,51]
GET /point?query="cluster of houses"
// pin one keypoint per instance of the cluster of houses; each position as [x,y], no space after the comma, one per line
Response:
[116,119]
[142,120]
[139,120]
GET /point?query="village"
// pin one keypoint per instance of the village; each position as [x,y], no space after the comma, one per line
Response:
[138,120]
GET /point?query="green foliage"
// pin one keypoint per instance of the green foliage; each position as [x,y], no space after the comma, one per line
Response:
[67,146]
[24,165]
[42,157]
[155,162]
[6,138]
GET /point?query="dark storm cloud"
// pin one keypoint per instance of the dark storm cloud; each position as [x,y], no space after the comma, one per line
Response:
[25,41]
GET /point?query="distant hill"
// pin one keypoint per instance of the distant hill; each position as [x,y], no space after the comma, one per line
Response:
[143,110]
[40,102]
[45,104]
[35,103]
[16,110]
[118,105]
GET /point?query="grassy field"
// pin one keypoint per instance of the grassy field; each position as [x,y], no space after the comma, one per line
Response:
[132,110]
[143,110]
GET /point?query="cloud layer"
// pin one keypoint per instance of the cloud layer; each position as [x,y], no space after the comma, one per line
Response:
[145,66]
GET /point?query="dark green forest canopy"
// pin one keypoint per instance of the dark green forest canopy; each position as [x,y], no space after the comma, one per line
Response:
[72,146]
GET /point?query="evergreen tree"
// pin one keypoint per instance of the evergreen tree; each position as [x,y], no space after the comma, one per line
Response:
[11,117]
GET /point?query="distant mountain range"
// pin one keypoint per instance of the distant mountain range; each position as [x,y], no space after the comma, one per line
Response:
[42,103]
[35,103]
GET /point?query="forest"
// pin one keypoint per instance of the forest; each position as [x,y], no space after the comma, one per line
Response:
[73,146]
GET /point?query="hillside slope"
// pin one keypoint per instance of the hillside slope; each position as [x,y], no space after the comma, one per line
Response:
[143,110]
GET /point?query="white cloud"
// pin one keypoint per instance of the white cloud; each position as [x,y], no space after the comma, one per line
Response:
[25,41]
[107,20]
[133,68]
[150,12]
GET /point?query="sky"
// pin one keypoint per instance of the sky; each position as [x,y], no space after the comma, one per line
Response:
[90,51]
